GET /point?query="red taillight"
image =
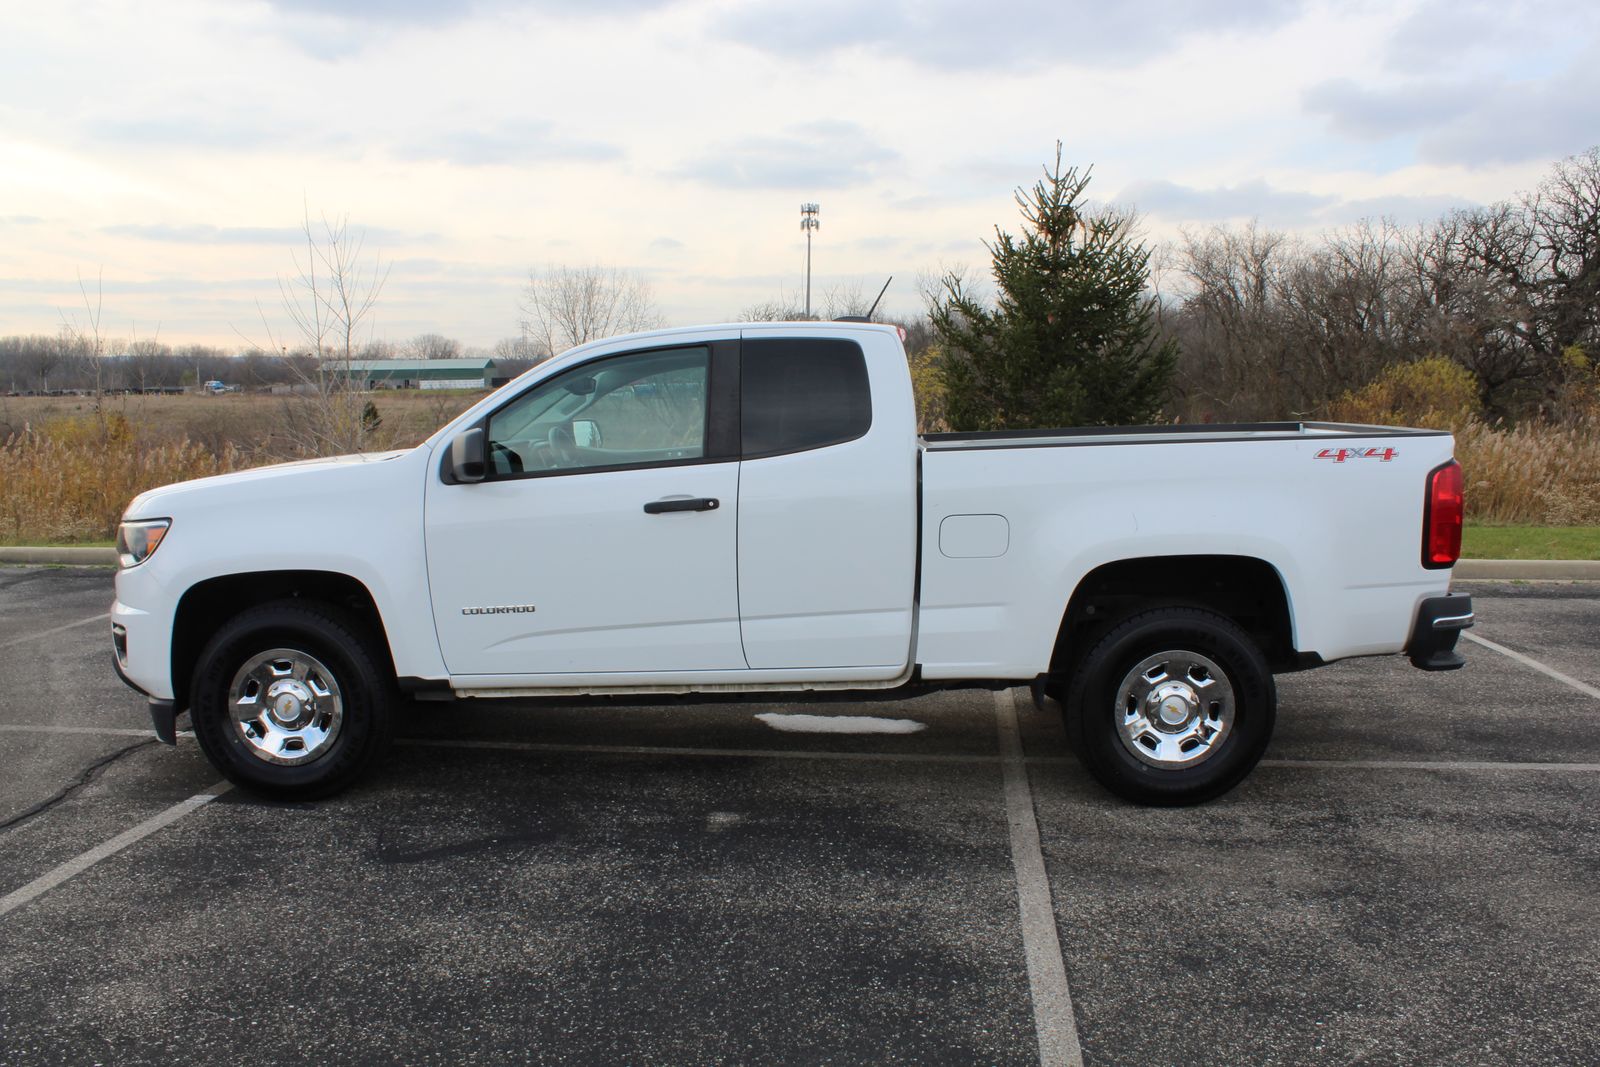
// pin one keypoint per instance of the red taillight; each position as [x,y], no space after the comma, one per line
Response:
[1441,517]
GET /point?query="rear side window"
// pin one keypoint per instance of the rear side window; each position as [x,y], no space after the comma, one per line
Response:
[799,394]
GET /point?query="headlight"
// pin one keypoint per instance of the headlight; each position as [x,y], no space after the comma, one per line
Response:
[137,541]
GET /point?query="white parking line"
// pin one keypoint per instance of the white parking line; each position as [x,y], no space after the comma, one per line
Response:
[838,724]
[1528,661]
[78,864]
[102,617]
[1430,765]
[97,731]
[1053,1019]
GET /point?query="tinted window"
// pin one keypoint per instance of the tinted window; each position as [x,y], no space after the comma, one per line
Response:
[799,394]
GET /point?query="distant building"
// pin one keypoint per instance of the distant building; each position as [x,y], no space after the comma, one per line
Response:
[419,373]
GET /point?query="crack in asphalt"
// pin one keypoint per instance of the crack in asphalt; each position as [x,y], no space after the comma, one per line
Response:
[87,775]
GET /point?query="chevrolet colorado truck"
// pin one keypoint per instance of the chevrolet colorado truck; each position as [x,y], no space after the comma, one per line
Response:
[749,508]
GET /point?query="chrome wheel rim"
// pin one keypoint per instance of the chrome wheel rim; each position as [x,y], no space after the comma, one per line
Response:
[286,706]
[1174,709]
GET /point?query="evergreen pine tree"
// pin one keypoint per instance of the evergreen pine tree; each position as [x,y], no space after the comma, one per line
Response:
[1072,338]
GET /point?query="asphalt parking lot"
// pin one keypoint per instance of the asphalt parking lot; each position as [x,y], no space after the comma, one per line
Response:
[1413,876]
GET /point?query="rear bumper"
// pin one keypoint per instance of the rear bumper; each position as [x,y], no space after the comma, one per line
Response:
[1440,620]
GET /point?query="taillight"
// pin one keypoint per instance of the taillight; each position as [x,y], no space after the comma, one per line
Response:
[1441,517]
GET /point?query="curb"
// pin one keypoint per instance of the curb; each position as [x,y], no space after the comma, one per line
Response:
[61,556]
[1489,570]
[1561,570]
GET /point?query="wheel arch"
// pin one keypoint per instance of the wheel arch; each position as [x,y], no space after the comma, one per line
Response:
[206,605]
[1245,589]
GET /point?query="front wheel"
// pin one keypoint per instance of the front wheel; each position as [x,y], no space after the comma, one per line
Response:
[1173,706]
[289,700]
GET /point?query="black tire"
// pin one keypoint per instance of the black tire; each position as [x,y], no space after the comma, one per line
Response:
[347,666]
[1221,757]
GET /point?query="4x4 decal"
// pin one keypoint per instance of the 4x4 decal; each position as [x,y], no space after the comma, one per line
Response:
[1339,455]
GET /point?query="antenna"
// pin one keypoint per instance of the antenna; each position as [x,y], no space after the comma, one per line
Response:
[875,303]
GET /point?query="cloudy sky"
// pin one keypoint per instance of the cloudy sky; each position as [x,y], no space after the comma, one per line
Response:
[170,148]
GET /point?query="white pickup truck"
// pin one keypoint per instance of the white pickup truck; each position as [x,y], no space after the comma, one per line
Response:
[749,508]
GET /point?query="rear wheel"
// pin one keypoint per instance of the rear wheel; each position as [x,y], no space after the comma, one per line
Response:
[289,700]
[1173,706]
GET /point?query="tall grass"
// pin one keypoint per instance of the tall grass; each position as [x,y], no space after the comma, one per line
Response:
[1538,473]
[70,479]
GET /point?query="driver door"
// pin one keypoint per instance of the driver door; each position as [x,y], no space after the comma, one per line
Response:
[604,537]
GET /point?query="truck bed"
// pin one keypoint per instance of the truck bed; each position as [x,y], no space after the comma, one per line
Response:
[1014,521]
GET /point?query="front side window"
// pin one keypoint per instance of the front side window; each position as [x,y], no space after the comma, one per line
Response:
[639,409]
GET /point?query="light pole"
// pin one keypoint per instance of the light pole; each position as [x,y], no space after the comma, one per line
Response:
[808,222]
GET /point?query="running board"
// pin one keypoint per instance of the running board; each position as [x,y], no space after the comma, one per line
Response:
[678,690]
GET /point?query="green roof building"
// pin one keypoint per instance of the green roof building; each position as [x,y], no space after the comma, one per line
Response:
[419,373]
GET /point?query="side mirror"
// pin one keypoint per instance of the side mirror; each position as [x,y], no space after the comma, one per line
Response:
[586,433]
[468,459]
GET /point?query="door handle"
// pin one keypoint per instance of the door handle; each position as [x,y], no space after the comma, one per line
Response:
[690,503]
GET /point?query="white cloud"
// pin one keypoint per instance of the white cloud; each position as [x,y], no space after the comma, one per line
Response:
[678,137]
[953,34]
[1254,199]
[1467,122]
[1474,83]
[815,156]
[516,142]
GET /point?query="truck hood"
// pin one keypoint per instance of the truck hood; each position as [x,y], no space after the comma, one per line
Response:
[154,503]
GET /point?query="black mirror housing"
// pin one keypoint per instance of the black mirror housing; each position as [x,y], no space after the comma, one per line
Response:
[468,457]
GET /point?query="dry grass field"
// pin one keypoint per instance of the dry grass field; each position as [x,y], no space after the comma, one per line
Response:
[250,422]
[68,466]
[1537,474]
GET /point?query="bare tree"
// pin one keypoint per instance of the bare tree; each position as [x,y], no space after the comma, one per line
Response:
[567,306]
[144,361]
[1538,260]
[329,300]
[782,309]
[845,298]
[834,301]
[334,289]
[519,350]
[81,340]
[42,358]
[1271,327]
[433,346]
[1230,361]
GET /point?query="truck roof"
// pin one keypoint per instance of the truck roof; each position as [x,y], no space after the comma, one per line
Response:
[795,326]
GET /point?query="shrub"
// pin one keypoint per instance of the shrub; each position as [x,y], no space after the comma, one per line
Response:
[1433,393]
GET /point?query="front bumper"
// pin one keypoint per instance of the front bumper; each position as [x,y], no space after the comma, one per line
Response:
[163,713]
[141,617]
[1440,620]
